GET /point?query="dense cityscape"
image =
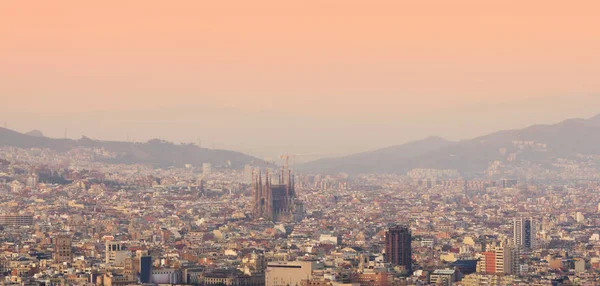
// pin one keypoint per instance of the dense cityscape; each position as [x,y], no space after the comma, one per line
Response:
[300,143]
[68,219]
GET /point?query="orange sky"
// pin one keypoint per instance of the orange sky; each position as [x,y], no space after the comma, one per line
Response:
[345,75]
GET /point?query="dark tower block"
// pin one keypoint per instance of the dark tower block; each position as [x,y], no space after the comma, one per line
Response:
[398,247]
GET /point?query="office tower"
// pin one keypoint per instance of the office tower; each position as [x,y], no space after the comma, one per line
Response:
[524,232]
[274,202]
[398,247]
[145,268]
[62,249]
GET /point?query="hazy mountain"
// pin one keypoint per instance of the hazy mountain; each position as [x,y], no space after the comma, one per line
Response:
[155,152]
[35,133]
[381,160]
[595,120]
[544,143]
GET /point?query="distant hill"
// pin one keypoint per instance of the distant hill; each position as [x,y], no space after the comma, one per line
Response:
[158,153]
[35,133]
[382,160]
[538,143]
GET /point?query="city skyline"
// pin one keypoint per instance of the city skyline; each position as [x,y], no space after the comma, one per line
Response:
[308,143]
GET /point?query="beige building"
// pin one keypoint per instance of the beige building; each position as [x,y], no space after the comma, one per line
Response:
[62,249]
[233,278]
[116,252]
[289,273]
[503,260]
[445,277]
[482,279]
[111,279]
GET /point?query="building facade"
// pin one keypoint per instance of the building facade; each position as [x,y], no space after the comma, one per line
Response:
[524,232]
[398,249]
[63,249]
[289,273]
[16,220]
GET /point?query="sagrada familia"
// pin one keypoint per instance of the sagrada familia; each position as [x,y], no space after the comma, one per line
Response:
[275,202]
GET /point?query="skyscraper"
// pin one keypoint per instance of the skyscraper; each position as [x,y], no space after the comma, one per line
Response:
[398,246]
[524,232]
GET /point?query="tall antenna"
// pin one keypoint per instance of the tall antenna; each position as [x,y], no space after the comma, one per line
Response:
[199,143]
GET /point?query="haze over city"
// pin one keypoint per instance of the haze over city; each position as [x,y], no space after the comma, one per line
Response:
[330,77]
[299,143]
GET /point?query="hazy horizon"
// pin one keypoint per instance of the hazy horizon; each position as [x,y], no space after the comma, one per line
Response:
[268,77]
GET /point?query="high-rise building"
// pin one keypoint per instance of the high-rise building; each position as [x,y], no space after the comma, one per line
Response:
[524,232]
[515,257]
[503,260]
[398,247]
[145,268]
[62,249]
[498,260]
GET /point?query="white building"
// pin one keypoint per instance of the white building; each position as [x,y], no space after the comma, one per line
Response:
[524,232]
[165,276]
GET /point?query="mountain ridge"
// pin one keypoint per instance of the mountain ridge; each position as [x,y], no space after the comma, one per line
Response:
[155,152]
[565,139]
[371,160]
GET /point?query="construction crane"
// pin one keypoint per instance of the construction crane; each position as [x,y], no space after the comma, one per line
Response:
[286,157]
